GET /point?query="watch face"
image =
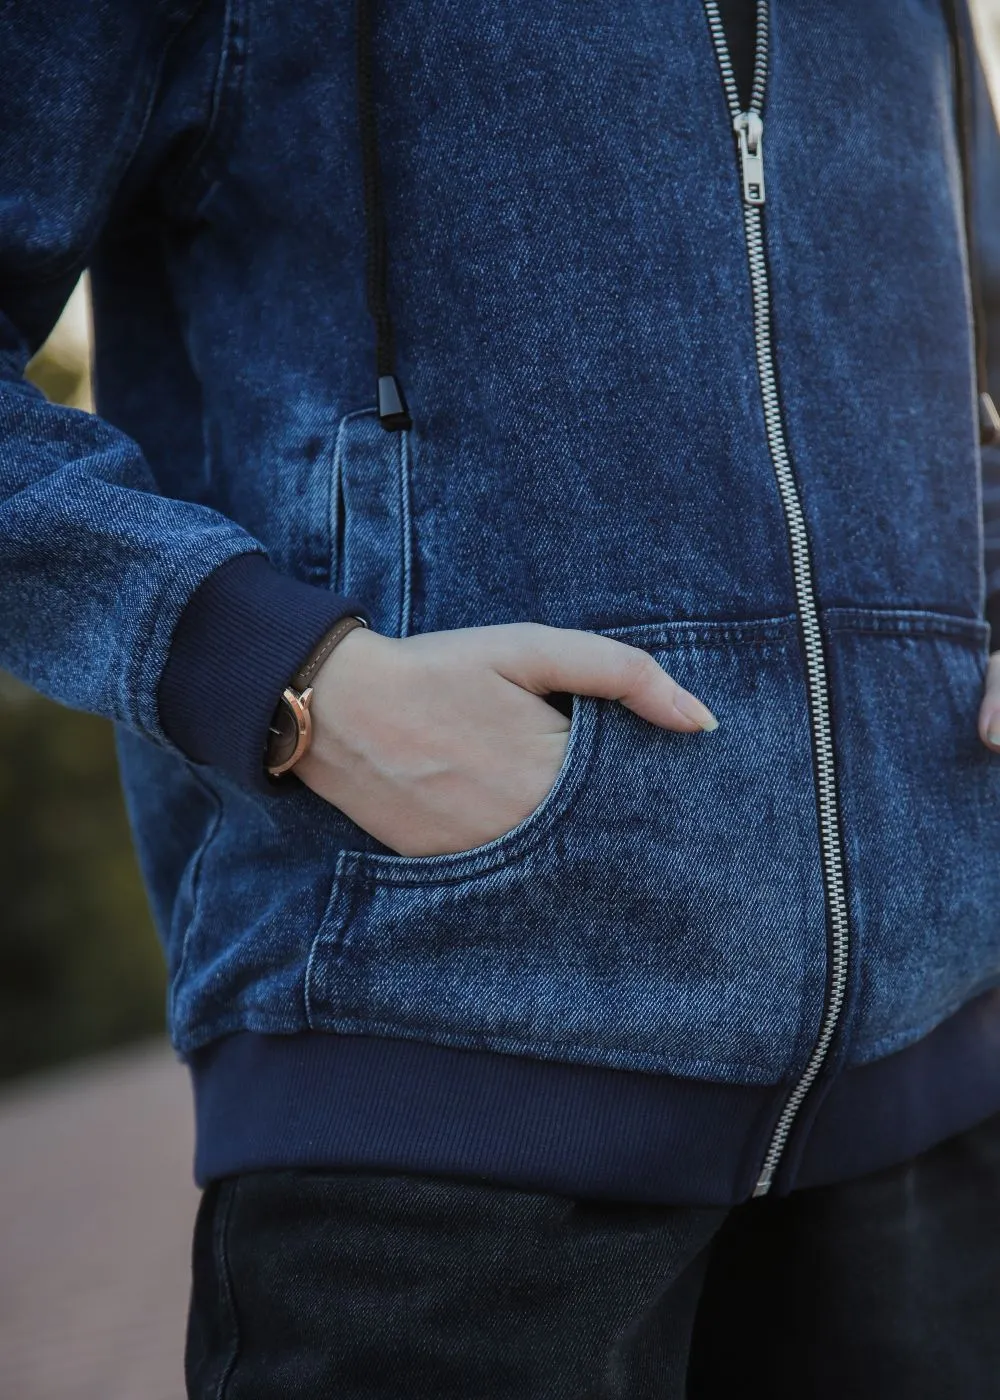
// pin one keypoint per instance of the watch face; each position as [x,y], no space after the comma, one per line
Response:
[281,744]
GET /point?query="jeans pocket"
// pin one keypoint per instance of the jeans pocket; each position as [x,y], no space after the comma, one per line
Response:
[212,1328]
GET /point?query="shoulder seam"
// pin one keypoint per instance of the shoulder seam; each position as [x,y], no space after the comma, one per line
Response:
[188,190]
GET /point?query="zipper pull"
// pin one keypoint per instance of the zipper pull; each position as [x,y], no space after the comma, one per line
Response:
[750,133]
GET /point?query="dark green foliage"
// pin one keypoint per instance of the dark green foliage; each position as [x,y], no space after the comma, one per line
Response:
[80,968]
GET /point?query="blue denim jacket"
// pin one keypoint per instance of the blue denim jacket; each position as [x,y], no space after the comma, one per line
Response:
[765,956]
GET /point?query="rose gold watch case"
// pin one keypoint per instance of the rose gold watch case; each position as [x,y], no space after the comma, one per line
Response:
[299,706]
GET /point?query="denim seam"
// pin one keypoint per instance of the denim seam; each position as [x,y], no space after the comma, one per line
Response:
[405,531]
[556,1051]
[226,1287]
[250,1018]
[899,1040]
[905,622]
[228,80]
[706,632]
[402,544]
[196,889]
[336,512]
[339,894]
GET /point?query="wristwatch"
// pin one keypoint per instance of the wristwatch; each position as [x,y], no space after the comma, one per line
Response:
[290,731]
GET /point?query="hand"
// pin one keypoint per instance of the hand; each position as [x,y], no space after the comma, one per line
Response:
[989,710]
[440,742]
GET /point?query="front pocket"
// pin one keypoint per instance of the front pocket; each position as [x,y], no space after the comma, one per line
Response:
[374,536]
[662,909]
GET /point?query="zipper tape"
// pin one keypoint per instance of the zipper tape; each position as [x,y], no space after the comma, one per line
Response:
[748,127]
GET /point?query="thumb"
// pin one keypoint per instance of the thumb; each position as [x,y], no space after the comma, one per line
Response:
[989,710]
[584,663]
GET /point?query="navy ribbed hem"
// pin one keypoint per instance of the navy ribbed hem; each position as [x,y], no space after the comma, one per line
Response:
[344,1101]
[243,634]
[884,1112]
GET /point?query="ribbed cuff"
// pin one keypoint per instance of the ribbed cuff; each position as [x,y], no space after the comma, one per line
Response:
[993,618]
[243,634]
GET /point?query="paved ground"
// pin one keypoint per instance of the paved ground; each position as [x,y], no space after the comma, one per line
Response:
[96,1210]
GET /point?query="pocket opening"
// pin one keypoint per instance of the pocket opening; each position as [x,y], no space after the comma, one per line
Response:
[390,868]
[374,551]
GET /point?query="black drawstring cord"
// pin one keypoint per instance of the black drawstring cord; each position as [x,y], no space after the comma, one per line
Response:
[392,411]
[989,420]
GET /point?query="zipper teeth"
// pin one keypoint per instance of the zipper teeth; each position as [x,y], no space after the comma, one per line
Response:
[760,58]
[725,62]
[816,680]
[819,704]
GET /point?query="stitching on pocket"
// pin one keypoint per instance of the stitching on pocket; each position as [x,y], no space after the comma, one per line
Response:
[908,622]
[195,891]
[405,531]
[331,925]
[673,634]
[386,485]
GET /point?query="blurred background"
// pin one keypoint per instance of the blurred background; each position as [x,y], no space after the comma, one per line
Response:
[97,1202]
[80,970]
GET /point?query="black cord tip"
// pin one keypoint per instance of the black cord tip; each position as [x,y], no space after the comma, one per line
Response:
[392,411]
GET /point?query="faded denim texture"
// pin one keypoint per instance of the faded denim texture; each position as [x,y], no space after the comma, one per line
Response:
[572,306]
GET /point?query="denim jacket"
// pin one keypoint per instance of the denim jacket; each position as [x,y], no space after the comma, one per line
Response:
[698,378]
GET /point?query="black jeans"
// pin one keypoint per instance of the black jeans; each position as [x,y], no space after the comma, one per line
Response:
[384,1286]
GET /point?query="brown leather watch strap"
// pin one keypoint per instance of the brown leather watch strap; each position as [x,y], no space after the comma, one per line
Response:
[290,731]
[303,676]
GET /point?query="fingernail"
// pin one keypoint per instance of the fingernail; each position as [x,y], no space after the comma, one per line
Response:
[993,735]
[692,708]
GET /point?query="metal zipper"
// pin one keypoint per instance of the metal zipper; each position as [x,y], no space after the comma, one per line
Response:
[748,127]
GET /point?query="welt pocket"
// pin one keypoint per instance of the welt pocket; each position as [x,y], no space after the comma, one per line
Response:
[373,533]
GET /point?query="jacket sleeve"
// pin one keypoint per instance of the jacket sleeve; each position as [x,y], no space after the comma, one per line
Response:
[114,598]
[986,216]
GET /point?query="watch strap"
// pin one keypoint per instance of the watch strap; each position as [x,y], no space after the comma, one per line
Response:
[304,675]
[295,700]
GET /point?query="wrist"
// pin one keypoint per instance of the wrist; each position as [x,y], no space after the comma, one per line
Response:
[291,729]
